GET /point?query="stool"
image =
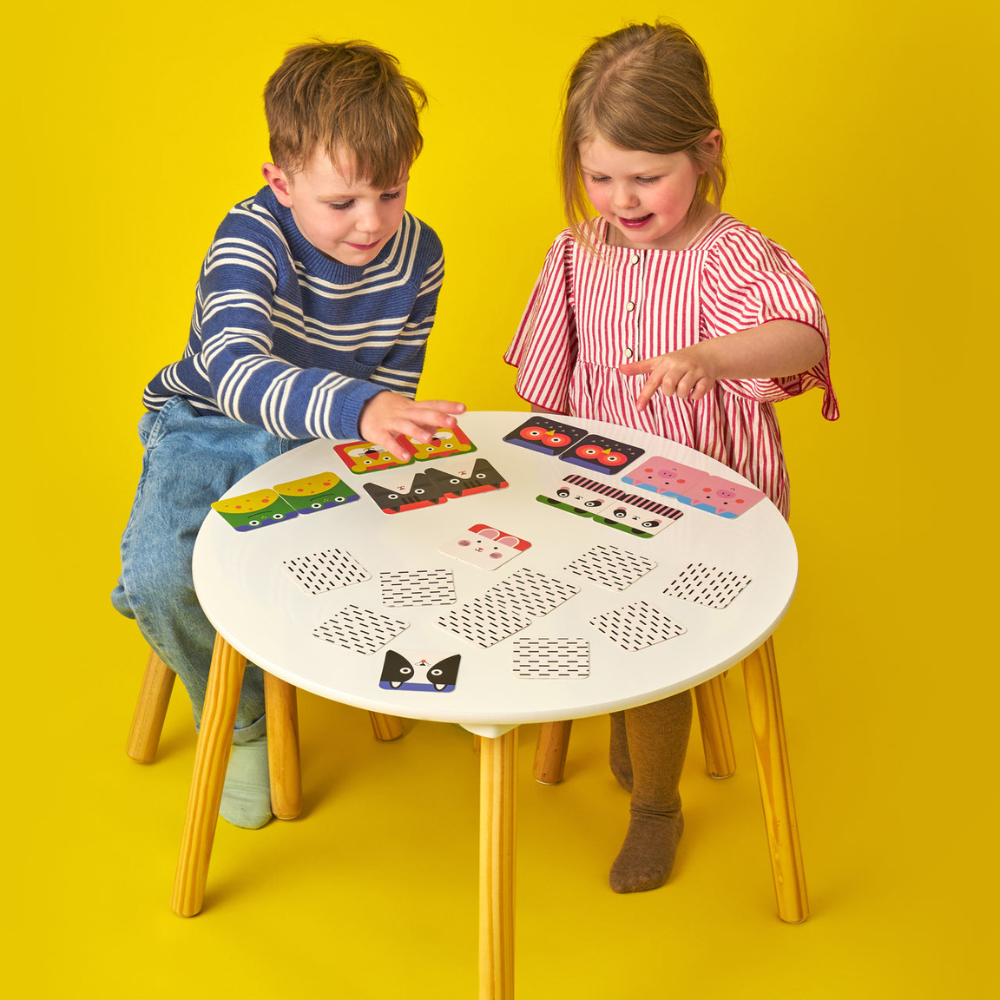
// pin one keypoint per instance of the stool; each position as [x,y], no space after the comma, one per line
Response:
[282,731]
[760,675]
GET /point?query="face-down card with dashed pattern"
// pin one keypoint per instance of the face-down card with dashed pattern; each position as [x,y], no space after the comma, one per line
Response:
[611,567]
[484,621]
[529,592]
[417,588]
[327,570]
[551,659]
[359,629]
[715,588]
[637,626]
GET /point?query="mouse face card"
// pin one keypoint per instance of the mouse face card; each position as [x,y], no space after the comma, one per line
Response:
[545,435]
[485,547]
[601,454]
[419,671]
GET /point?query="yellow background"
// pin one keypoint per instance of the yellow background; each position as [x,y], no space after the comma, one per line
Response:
[862,136]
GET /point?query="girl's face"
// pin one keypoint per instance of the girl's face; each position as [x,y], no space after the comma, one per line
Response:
[645,197]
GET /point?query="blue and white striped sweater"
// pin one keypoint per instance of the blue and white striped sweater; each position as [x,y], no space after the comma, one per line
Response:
[285,338]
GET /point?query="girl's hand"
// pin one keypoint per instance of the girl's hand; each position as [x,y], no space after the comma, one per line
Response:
[387,416]
[688,374]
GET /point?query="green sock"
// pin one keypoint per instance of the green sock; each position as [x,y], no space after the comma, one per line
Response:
[246,796]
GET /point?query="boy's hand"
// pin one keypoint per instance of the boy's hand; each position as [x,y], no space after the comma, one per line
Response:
[687,373]
[387,416]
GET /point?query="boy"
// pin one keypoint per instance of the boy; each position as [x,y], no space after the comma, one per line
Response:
[311,317]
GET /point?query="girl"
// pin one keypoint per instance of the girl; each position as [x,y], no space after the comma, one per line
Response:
[670,316]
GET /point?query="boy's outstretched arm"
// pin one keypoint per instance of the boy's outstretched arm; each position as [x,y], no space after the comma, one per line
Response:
[772,350]
[388,415]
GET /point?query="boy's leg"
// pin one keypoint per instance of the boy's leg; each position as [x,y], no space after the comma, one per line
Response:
[189,462]
[657,742]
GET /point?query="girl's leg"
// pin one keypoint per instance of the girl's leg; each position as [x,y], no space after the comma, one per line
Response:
[618,758]
[657,741]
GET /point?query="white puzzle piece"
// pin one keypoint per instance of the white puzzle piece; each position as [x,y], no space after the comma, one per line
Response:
[637,626]
[485,547]
[716,588]
[327,570]
[417,588]
[611,567]
[360,630]
[533,593]
[551,659]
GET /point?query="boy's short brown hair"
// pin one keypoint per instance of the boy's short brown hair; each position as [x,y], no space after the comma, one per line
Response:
[346,97]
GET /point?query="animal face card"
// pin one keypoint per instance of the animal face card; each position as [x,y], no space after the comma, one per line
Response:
[638,516]
[464,483]
[720,496]
[419,671]
[420,493]
[698,489]
[314,493]
[579,495]
[254,510]
[485,547]
[444,443]
[363,456]
[540,433]
[601,454]
[662,475]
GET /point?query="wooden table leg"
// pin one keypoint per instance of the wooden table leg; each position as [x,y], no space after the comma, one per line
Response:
[150,710]
[720,758]
[385,727]
[764,699]
[283,747]
[550,751]
[215,740]
[497,830]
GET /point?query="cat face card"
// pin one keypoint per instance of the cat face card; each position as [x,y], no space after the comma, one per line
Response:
[444,443]
[420,493]
[601,454]
[540,433]
[485,547]
[363,456]
[410,670]
[462,483]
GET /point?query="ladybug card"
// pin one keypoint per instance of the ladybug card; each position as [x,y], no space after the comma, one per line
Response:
[601,454]
[545,435]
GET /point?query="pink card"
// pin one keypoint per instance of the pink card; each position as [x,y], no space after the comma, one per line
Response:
[725,498]
[663,475]
[485,547]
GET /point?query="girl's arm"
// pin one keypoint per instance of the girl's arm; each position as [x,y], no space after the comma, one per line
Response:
[773,350]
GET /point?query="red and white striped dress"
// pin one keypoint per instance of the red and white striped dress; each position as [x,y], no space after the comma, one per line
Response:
[593,311]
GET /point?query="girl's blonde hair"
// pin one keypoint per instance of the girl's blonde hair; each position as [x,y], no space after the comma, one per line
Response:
[644,87]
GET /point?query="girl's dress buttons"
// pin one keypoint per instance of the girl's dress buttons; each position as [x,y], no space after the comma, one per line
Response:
[629,306]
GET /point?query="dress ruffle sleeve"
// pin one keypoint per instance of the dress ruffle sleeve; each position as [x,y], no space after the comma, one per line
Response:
[748,281]
[544,348]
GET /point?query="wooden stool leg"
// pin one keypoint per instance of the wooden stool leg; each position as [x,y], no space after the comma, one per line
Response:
[550,752]
[386,727]
[283,747]
[215,739]
[764,699]
[720,759]
[150,710]
[497,832]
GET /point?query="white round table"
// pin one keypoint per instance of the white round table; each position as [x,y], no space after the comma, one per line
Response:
[262,612]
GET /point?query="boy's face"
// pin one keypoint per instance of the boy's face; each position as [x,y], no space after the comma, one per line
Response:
[349,222]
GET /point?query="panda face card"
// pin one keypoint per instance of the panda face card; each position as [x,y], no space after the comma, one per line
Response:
[485,547]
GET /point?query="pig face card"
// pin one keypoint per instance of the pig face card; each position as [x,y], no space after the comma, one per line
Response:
[663,475]
[723,498]
[410,670]
[601,454]
[485,547]
[547,436]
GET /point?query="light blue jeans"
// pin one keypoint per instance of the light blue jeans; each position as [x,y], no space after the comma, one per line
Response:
[189,462]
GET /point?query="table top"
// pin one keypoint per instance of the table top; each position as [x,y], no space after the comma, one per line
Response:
[260,609]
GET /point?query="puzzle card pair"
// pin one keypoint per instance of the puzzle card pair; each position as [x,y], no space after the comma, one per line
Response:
[606,504]
[364,456]
[573,444]
[434,486]
[285,501]
[698,489]
[409,670]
